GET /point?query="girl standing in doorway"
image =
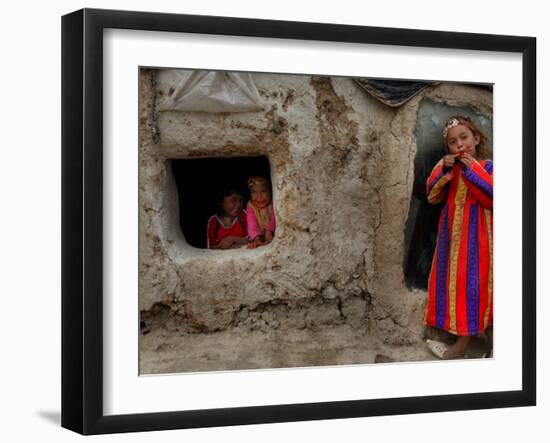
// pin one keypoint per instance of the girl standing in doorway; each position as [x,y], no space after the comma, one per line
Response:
[460,286]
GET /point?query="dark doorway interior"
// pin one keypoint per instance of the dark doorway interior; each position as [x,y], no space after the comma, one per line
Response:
[200,183]
[421,226]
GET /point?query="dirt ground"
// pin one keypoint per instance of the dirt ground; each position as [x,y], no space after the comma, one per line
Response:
[171,351]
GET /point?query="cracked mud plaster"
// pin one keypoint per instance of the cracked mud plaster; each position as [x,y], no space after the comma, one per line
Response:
[342,173]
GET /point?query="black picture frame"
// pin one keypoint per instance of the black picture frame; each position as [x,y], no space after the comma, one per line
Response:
[82,218]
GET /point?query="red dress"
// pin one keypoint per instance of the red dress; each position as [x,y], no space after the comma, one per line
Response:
[216,230]
[460,286]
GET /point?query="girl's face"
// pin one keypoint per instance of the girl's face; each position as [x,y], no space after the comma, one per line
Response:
[260,195]
[232,204]
[460,138]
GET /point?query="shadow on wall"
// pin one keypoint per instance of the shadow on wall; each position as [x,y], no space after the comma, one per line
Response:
[421,226]
[200,182]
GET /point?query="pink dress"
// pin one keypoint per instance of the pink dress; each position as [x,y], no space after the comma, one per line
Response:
[259,220]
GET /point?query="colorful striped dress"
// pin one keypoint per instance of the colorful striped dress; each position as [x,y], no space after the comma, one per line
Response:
[460,286]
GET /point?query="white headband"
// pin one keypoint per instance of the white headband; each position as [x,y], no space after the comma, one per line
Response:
[450,124]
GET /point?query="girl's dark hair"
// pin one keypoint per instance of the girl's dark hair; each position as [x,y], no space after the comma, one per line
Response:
[483,149]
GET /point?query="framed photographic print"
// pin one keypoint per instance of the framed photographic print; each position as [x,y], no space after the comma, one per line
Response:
[269,221]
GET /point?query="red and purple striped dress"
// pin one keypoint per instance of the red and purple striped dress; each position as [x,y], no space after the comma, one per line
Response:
[460,286]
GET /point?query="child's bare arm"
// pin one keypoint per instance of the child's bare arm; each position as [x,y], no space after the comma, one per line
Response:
[258,241]
[226,242]
[240,240]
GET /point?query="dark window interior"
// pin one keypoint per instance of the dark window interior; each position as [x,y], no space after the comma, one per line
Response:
[421,226]
[200,183]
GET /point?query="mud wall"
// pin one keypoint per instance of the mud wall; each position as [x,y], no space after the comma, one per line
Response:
[342,168]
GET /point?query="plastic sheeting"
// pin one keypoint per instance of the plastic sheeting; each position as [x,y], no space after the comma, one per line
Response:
[393,92]
[214,91]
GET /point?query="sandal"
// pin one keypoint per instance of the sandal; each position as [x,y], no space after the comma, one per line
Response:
[437,348]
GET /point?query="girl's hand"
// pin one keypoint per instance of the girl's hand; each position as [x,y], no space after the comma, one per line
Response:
[255,243]
[449,160]
[467,159]
[268,237]
[225,243]
[239,242]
